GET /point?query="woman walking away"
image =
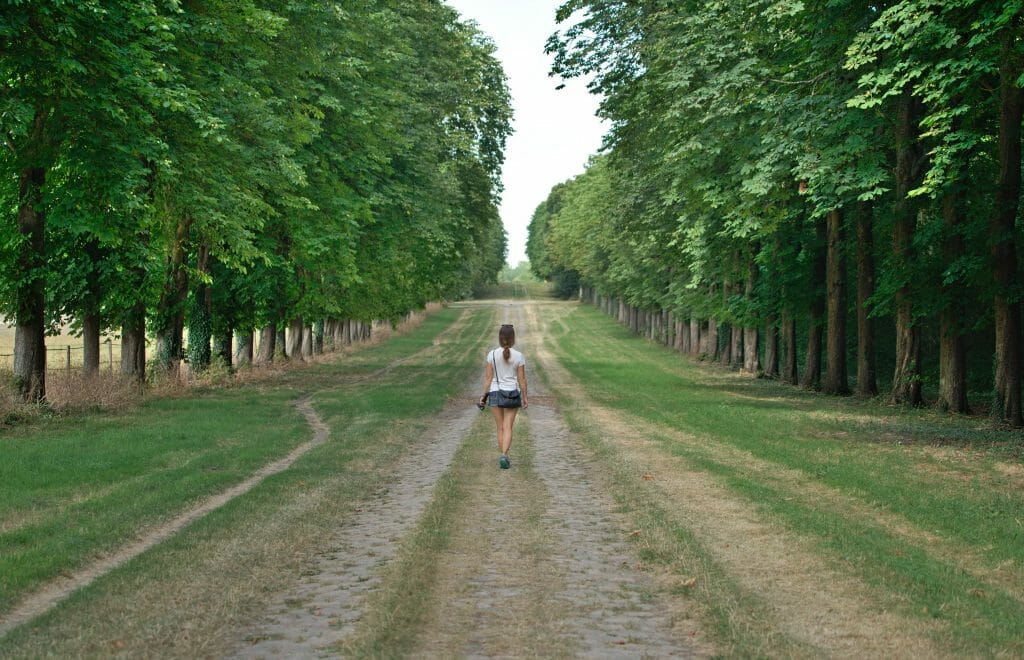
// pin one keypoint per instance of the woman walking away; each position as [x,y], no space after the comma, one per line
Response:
[504,388]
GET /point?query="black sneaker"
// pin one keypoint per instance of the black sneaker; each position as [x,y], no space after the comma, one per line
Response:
[504,462]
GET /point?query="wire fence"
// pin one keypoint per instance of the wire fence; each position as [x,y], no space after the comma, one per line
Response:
[69,359]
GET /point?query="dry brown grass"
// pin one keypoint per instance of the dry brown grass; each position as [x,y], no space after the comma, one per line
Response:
[104,391]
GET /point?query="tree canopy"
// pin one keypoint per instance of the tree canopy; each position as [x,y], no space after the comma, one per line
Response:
[757,148]
[238,165]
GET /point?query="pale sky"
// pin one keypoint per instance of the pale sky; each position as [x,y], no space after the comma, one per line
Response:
[556,131]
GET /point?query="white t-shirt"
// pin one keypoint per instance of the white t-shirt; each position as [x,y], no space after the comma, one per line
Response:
[505,372]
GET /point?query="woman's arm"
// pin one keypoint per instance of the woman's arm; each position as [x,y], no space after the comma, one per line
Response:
[521,376]
[488,377]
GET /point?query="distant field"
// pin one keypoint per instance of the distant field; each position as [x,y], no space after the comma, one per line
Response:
[516,290]
[57,349]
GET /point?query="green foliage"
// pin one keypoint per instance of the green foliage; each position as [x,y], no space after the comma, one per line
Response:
[335,161]
[736,126]
[521,273]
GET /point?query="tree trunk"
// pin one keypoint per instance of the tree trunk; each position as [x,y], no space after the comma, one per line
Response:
[1007,403]
[91,322]
[339,333]
[867,385]
[133,343]
[712,344]
[30,295]
[244,353]
[171,306]
[789,371]
[771,348]
[952,345]
[307,342]
[200,327]
[736,346]
[906,381]
[695,347]
[295,338]
[268,339]
[222,341]
[751,351]
[318,336]
[280,341]
[328,336]
[836,379]
[812,361]
[90,344]
[725,357]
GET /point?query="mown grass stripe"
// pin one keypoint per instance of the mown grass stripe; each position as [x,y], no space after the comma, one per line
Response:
[976,612]
[396,610]
[739,621]
[856,465]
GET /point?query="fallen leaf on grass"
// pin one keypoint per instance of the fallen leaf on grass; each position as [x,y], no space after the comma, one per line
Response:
[648,477]
[635,532]
[689,582]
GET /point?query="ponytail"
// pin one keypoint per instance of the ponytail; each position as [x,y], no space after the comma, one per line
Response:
[506,338]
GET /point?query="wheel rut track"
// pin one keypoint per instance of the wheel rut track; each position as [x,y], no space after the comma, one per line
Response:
[540,564]
[613,613]
[58,590]
[325,605]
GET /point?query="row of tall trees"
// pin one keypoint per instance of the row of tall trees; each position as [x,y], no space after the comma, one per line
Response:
[783,175]
[229,165]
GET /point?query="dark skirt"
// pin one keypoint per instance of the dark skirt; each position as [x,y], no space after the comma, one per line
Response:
[501,399]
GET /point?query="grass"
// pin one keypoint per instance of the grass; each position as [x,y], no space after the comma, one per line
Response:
[73,490]
[921,507]
[70,492]
[884,458]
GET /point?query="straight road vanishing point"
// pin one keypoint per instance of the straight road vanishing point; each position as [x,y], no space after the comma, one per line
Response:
[390,531]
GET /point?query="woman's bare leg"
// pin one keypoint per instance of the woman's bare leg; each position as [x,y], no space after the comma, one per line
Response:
[499,414]
[505,437]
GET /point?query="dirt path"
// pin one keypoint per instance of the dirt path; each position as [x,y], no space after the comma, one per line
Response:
[53,593]
[540,565]
[538,562]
